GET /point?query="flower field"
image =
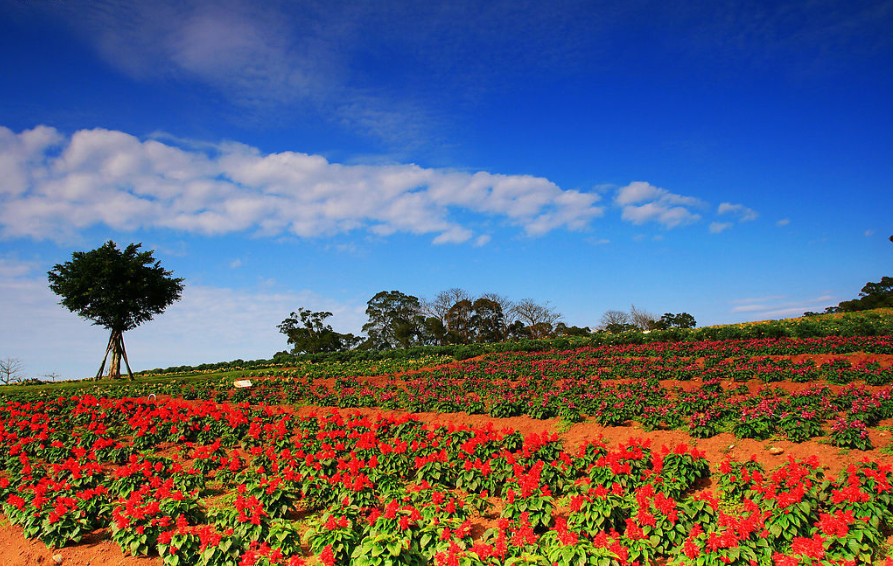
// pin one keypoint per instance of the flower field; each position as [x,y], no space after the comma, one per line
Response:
[390,467]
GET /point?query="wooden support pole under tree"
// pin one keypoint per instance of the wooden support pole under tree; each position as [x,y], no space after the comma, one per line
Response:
[102,366]
[130,374]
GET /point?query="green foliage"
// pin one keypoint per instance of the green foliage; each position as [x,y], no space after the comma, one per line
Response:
[395,321]
[872,295]
[308,333]
[850,434]
[680,320]
[118,290]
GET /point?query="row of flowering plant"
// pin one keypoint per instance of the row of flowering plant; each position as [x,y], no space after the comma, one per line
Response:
[355,489]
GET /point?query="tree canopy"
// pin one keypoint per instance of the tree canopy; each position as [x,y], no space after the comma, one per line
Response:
[309,334]
[680,320]
[116,289]
[395,321]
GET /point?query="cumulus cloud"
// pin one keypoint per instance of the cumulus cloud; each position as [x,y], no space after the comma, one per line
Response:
[104,177]
[718,227]
[741,212]
[642,202]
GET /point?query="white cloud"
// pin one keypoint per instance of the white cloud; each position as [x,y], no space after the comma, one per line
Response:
[782,222]
[718,227]
[741,212]
[111,178]
[642,202]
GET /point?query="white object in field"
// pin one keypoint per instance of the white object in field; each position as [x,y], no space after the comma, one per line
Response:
[242,383]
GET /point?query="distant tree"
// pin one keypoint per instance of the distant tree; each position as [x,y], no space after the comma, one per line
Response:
[872,295]
[518,331]
[118,290]
[538,318]
[438,307]
[642,319]
[9,370]
[395,321]
[488,322]
[458,322]
[681,320]
[507,306]
[309,334]
[615,321]
[434,332]
[562,329]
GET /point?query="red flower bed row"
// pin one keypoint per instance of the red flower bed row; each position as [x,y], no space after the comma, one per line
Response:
[260,485]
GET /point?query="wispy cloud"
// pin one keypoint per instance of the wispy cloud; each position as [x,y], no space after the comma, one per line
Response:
[325,60]
[718,227]
[779,306]
[642,202]
[757,299]
[285,60]
[105,177]
[739,211]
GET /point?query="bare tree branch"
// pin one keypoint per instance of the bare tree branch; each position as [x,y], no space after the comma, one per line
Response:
[9,370]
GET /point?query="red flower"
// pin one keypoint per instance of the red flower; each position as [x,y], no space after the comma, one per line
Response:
[327,557]
[632,530]
[691,550]
[16,501]
[836,524]
[781,559]
[812,547]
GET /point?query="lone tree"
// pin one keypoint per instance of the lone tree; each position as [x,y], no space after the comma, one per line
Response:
[9,370]
[118,290]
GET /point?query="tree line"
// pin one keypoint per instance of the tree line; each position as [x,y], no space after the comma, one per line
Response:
[398,320]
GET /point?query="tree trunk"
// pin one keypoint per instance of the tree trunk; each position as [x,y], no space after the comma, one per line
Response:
[115,364]
[116,348]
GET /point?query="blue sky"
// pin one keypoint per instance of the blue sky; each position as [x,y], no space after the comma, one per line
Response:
[732,160]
